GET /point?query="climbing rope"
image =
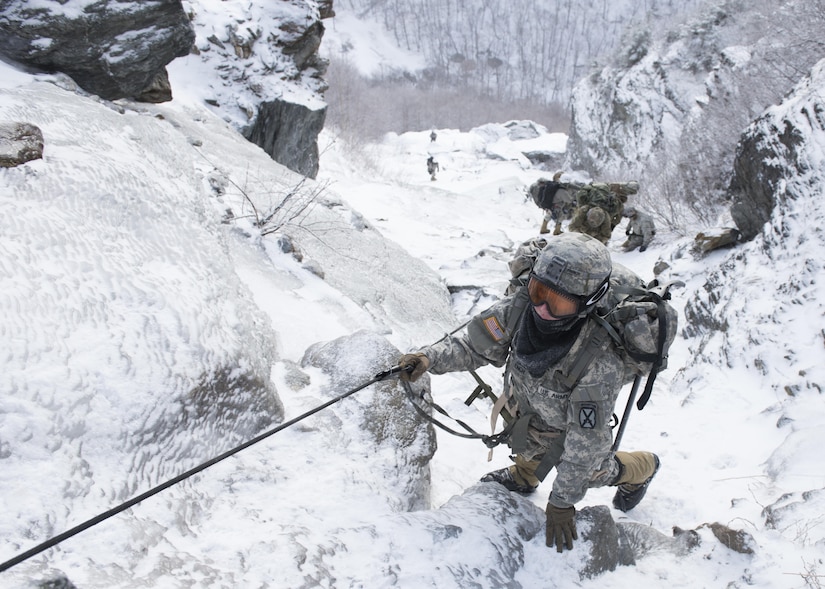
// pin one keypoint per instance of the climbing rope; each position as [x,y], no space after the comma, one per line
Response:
[162,487]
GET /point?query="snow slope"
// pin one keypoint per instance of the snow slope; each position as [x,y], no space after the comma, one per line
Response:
[123,286]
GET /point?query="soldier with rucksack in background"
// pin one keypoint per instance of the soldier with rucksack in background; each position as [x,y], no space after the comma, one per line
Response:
[599,208]
[640,229]
[556,199]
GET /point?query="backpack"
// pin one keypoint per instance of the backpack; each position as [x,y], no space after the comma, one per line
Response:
[635,315]
[599,195]
[543,192]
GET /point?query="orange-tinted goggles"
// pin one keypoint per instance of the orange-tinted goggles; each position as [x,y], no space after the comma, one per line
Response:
[560,305]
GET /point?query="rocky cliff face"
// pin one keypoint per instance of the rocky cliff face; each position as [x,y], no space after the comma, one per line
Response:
[774,153]
[777,203]
[636,108]
[265,53]
[670,110]
[777,161]
[111,48]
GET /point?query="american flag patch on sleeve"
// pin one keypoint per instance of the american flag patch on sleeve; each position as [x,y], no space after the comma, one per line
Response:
[493,326]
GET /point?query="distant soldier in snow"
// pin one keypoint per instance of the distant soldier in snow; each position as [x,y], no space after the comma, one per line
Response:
[433,136]
[542,333]
[640,229]
[432,167]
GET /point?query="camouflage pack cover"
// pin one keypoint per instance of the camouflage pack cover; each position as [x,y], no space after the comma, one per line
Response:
[636,319]
[599,195]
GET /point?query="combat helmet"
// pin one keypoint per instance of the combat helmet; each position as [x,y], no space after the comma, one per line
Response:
[573,266]
[596,217]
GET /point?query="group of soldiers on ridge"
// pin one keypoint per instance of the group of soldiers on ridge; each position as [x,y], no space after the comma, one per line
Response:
[594,209]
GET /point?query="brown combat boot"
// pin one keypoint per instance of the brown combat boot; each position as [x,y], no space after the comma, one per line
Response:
[636,470]
[519,478]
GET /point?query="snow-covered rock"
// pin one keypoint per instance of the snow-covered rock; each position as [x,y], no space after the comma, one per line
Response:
[257,65]
[110,48]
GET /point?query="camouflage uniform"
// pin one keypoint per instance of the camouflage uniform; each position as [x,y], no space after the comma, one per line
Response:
[583,219]
[562,209]
[564,373]
[570,421]
[598,226]
[640,230]
[563,203]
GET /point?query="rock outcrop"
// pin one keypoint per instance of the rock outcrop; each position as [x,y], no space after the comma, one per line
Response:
[288,132]
[266,57]
[777,206]
[779,145]
[19,143]
[669,111]
[387,417]
[111,48]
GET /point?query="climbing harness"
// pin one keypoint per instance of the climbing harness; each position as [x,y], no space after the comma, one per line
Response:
[484,390]
[162,487]
[491,441]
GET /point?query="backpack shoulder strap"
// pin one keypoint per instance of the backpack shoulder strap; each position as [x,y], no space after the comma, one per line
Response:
[520,302]
[598,338]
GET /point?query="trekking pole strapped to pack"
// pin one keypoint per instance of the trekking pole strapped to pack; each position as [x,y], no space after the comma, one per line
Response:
[632,397]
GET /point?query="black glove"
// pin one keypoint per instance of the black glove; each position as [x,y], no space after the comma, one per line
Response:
[643,248]
[413,366]
[561,527]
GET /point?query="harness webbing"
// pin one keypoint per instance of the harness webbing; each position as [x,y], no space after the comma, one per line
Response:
[490,441]
[549,461]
